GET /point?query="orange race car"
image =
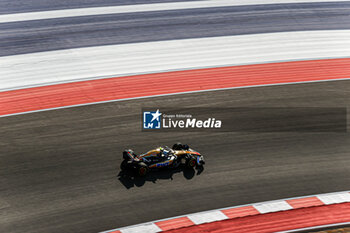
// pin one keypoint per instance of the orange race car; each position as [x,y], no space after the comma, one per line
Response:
[179,154]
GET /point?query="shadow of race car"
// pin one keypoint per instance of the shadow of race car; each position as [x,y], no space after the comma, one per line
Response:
[178,155]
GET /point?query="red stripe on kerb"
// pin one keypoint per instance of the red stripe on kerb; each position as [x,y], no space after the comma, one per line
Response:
[305,202]
[174,223]
[84,92]
[277,221]
[240,211]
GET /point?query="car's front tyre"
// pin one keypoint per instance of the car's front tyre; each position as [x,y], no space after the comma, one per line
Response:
[191,162]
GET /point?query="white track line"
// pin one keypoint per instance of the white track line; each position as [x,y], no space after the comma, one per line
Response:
[142,8]
[44,68]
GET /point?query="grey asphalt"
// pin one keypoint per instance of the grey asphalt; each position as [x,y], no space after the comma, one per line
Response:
[54,34]
[20,6]
[59,168]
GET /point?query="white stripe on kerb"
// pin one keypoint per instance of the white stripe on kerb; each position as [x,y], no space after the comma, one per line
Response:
[144,228]
[62,66]
[259,203]
[334,198]
[210,216]
[273,206]
[40,15]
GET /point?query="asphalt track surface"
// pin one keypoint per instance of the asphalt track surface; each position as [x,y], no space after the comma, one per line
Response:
[65,33]
[9,6]
[59,168]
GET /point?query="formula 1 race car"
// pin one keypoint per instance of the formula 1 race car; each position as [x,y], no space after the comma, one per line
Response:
[179,154]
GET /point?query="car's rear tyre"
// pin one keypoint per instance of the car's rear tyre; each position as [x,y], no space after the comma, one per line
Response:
[142,169]
[124,165]
[180,146]
[191,162]
[177,146]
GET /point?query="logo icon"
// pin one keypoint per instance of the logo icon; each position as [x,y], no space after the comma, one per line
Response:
[151,120]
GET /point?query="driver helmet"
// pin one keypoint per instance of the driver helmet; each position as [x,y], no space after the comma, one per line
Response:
[166,152]
[161,149]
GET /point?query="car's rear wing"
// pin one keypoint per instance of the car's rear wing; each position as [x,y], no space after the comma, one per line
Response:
[129,154]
